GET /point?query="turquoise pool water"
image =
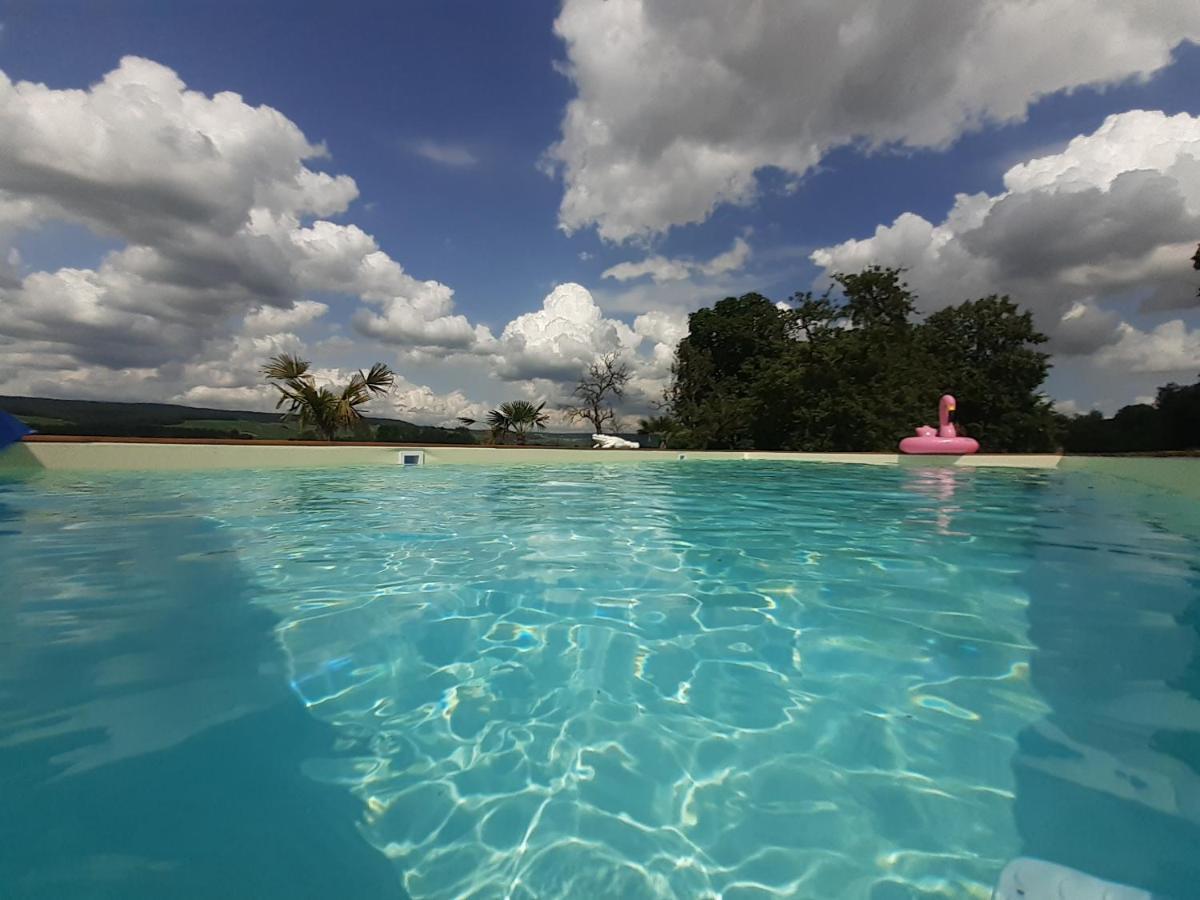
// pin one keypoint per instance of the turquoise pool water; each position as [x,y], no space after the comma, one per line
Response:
[686,680]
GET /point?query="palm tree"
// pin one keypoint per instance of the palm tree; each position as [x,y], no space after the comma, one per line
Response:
[319,408]
[662,427]
[498,425]
[517,417]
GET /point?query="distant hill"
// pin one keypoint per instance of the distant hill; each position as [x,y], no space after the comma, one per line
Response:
[112,419]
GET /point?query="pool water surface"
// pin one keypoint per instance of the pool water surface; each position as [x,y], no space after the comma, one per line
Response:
[661,680]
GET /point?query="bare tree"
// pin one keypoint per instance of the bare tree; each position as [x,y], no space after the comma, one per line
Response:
[604,382]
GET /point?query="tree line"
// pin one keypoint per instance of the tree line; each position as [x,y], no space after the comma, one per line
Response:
[1171,422]
[853,369]
[857,371]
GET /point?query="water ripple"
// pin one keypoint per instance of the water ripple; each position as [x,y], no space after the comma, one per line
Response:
[759,680]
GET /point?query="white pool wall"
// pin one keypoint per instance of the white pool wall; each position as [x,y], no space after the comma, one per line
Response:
[1179,474]
[142,456]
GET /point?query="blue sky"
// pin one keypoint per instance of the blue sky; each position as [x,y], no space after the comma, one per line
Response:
[443,114]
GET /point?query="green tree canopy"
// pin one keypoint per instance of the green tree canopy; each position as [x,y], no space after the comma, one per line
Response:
[1172,422]
[985,352]
[1179,406]
[855,370]
[716,369]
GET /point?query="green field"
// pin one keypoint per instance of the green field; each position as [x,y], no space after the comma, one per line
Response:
[113,419]
[271,431]
[42,421]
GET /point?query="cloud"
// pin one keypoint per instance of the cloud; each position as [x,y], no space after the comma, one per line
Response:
[419,317]
[558,341]
[662,327]
[679,102]
[138,154]
[220,217]
[729,261]
[419,403]
[1068,407]
[1111,218]
[662,330]
[269,319]
[241,387]
[1083,328]
[1170,348]
[223,240]
[453,155]
[661,269]
[542,354]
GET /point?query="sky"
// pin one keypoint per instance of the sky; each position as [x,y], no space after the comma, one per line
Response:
[489,196]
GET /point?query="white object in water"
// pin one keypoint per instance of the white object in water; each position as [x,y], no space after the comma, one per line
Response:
[1034,879]
[612,442]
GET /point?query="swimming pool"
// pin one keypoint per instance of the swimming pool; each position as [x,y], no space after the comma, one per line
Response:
[746,680]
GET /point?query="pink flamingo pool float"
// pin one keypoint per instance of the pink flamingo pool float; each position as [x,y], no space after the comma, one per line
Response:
[944,440]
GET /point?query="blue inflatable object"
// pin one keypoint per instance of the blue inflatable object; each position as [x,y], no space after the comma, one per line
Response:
[11,429]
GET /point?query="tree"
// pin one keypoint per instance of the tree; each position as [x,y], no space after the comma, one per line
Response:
[661,428]
[883,383]
[317,407]
[876,297]
[985,352]
[409,433]
[1179,406]
[517,417]
[854,370]
[717,372]
[605,379]
[1172,422]
[1089,433]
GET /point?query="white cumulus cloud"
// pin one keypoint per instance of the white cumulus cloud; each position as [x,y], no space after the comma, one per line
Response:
[661,268]
[270,319]
[542,354]
[422,404]
[679,102]
[558,341]
[1172,347]
[220,216]
[1113,217]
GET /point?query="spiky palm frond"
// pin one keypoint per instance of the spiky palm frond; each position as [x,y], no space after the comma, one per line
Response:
[519,417]
[285,367]
[379,379]
[314,407]
[320,408]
